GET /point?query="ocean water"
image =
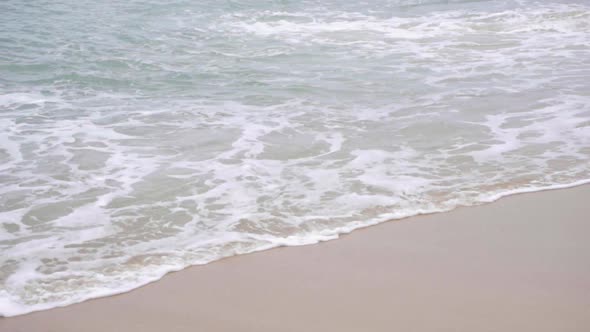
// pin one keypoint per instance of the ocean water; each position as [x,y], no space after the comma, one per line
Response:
[142,137]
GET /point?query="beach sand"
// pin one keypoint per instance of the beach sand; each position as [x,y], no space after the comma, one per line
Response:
[519,264]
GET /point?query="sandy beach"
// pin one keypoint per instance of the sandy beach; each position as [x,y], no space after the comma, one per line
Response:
[519,264]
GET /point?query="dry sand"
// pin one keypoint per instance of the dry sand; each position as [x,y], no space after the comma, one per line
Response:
[519,264]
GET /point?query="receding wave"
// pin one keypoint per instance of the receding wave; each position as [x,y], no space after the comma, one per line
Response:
[151,137]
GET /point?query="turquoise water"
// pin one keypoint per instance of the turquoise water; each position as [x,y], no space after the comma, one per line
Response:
[142,137]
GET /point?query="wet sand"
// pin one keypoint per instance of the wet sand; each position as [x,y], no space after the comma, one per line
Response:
[519,264]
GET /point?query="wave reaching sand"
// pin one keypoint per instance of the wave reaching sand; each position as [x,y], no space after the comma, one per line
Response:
[149,137]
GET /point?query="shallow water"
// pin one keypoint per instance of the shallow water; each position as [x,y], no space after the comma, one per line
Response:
[139,138]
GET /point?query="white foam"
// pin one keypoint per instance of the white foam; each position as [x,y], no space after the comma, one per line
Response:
[249,129]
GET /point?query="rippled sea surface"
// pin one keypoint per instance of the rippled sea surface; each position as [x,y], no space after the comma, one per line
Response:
[141,137]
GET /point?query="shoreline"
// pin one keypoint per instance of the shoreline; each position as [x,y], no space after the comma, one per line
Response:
[319,238]
[329,274]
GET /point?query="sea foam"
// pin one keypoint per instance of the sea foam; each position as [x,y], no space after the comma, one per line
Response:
[150,138]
